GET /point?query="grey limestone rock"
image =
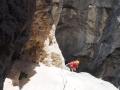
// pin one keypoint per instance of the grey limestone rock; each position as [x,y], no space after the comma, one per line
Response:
[89,30]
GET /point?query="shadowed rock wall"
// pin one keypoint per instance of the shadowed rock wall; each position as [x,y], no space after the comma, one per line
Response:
[15,19]
[89,30]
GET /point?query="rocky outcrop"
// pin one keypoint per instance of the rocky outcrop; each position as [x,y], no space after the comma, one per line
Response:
[41,44]
[15,19]
[89,30]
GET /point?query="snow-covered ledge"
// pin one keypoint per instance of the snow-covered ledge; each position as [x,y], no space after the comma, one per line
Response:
[41,77]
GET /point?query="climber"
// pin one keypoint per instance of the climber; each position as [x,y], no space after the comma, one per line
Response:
[73,65]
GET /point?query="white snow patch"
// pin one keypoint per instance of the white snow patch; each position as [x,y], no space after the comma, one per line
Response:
[52,78]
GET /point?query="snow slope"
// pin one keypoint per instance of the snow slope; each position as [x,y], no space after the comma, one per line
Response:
[52,78]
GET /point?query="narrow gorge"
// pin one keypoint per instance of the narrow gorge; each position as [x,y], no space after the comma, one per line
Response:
[55,32]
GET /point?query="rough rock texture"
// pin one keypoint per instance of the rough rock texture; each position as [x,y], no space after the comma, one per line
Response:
[42,35]
[89,30]
[110,68]
[42,45]
[15,20]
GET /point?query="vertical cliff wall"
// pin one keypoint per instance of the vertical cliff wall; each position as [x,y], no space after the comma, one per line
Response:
[15,19]
[89,30]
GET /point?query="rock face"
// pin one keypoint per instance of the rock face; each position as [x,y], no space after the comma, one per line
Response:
[89,30]
[15,19]
[41,44]
[110,69]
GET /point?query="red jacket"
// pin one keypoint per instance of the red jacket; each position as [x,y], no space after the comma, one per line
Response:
[72,64]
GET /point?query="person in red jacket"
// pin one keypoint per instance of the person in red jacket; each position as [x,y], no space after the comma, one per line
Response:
[73,65]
